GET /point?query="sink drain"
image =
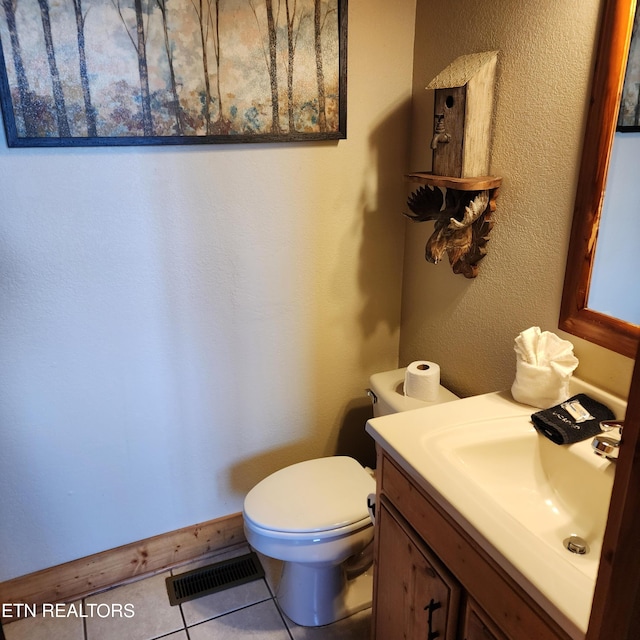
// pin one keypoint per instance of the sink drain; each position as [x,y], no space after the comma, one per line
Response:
[576,544]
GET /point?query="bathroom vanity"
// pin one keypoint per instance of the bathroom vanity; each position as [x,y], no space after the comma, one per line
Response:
[474,510]
[433,581]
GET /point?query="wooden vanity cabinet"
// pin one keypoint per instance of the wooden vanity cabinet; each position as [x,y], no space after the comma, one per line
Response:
[418,598]
[477,625]
[428,569]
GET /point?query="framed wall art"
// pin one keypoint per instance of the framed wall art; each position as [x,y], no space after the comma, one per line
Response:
[149,72]
[629,116]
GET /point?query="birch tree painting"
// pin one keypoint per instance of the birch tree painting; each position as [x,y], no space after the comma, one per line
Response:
[80,72]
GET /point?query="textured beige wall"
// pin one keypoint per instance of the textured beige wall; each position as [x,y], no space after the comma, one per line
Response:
[544,67]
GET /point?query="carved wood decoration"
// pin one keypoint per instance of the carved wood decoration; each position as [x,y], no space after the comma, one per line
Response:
[462,225]
[463,105]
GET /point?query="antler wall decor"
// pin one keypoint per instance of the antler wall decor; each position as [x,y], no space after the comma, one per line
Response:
[462,225]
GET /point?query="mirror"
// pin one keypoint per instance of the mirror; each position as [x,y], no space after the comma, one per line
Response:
[576,317]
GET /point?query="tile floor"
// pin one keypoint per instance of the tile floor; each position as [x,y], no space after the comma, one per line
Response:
[245,611]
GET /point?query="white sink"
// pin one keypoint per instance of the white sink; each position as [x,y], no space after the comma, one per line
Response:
[519,494]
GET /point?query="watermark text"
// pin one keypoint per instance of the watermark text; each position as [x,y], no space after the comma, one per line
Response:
[73,610]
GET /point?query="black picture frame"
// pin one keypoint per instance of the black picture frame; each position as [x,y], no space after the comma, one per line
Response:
[135,72]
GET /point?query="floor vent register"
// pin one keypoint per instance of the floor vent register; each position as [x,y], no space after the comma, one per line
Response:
[213,578]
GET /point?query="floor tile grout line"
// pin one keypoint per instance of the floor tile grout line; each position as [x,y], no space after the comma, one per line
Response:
[242,608]
[226,613]
[84,621]
[277,605]
[169,633]
[279,610]
[184,620]
[269,589]
[284,621]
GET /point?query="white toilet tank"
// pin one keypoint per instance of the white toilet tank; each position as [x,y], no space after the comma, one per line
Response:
[387,392]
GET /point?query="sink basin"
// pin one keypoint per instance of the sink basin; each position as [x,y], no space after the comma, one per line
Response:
[550,490]
[518,494]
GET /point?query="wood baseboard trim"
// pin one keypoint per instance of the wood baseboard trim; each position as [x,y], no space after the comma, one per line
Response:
[85,576]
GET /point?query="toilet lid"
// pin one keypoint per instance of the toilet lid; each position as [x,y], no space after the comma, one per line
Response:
[315,495]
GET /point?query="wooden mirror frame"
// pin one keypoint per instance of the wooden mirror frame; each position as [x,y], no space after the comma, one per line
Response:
[608,79]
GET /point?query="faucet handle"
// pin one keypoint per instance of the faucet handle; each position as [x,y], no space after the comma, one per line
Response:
[605,446]
[610,425]
[608,448]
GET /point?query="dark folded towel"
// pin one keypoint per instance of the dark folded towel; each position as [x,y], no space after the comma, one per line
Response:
[578,418]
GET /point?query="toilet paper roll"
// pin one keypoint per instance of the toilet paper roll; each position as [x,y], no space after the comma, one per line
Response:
[422,380]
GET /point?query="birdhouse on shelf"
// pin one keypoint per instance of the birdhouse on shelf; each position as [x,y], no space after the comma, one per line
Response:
[463,110]
[458,194]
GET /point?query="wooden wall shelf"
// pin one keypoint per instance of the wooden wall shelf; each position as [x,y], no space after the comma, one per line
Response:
[479,183]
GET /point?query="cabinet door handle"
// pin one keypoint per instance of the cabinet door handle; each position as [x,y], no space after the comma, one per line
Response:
[431,607]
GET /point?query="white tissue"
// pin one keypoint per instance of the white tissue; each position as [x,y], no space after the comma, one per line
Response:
[544,366]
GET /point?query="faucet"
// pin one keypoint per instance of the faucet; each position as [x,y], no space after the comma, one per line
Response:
[439,135]
[606,446]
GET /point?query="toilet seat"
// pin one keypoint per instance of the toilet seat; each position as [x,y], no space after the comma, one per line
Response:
[308,536]
[322,496]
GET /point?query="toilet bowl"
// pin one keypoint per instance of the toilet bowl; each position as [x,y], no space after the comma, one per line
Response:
[314,517]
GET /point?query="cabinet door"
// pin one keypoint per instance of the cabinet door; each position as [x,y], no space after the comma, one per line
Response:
[416,599]
[478,626]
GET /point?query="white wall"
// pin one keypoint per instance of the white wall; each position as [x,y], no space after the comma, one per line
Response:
[544,69]
[176,323]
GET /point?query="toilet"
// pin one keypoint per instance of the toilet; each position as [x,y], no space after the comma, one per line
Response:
[314,517]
